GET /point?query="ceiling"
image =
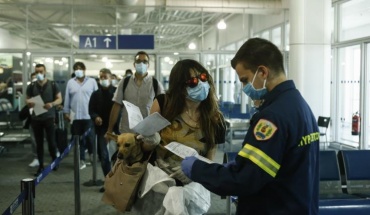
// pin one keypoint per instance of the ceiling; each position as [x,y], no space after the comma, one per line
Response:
[174,23]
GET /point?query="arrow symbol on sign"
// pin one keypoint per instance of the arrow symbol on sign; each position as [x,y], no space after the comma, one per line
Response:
[107,41]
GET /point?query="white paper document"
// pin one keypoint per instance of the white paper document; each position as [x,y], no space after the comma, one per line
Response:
[184,151]
[39,105]
[134,114]
[148,126]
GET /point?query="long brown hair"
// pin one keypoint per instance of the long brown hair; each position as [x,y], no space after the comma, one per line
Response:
[210,115]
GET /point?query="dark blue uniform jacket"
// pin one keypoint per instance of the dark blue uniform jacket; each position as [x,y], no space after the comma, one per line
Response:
[277,170]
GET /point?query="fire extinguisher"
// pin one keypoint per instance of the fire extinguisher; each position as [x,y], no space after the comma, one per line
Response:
[355,124]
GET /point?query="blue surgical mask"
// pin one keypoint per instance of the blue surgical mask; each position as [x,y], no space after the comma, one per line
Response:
[104,83]
[198,93]
[79,73]
[40,77]
[114,82]
[253,93]
[141,68]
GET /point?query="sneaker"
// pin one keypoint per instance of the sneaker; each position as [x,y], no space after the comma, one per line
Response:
[34,163]
[58,153]
[82,164]
[102,190]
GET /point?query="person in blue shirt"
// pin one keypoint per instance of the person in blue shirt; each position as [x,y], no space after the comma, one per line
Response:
[77,97]
[277,170]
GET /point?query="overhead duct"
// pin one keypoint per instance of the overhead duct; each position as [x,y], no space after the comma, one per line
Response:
[230,6]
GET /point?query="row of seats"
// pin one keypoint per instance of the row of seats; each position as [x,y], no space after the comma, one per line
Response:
[345,182]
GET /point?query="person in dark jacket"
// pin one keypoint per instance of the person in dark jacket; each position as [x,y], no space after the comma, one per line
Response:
[100,105]
[43,123]
[277,170]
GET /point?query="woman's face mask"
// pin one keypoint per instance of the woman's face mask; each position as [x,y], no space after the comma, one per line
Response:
[198,93]
[79,73]
[104,83]
[253,93]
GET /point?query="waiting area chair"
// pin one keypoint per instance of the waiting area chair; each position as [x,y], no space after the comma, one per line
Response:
[357,171]
[323,123]
[330,181]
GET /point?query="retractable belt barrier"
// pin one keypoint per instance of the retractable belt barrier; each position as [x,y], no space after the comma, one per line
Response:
[28,185]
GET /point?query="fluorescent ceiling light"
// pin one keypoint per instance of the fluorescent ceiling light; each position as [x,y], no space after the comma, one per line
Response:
[221,24]
[192,46]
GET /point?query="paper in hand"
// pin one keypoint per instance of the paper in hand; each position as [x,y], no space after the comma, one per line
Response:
[151,124]
[148,126]
[39,105]
[183,151]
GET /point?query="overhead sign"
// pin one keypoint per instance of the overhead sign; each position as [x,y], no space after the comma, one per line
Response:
[97,42]
[135,41]
[124,42]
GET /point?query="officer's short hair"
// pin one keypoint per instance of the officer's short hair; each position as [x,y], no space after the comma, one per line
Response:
[257,51]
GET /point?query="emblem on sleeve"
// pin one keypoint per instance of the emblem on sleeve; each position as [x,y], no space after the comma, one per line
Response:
[264,130]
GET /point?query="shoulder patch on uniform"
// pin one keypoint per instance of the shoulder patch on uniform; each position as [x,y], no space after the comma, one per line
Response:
[264,129]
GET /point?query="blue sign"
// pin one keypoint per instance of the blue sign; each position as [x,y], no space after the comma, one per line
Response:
[135,41]
[97,42]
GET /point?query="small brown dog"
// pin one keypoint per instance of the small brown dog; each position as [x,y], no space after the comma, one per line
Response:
[129,148]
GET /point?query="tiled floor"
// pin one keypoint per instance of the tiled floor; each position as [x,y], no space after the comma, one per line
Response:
[55,194]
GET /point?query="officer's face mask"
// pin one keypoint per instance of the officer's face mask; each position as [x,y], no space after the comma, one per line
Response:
[253,93]
[141,68]
[104,82]
[79,73]
[40,77]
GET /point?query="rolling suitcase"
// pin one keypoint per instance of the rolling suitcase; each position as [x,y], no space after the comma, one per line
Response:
[61,134]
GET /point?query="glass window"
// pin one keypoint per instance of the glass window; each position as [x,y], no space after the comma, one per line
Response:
[11,78]
[287,30]
[276,36]
[349,65]
[354,20]
[265,35]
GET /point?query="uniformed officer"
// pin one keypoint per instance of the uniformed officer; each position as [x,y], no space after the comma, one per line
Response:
[277,170]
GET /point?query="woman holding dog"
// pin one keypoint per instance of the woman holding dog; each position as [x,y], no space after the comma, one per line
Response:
[190,104]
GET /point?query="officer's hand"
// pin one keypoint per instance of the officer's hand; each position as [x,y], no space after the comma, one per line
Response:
[187,165]
[150,140]
[179,175]
[229,164]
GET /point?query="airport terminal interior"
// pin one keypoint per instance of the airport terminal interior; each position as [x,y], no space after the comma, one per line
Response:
[325,45]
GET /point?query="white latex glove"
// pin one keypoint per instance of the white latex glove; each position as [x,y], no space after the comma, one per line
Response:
[179,175]
[150,140]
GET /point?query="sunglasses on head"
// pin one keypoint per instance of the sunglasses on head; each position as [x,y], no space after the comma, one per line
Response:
[193,81]
[141,61]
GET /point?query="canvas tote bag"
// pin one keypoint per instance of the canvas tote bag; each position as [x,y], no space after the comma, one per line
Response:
[121,184]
